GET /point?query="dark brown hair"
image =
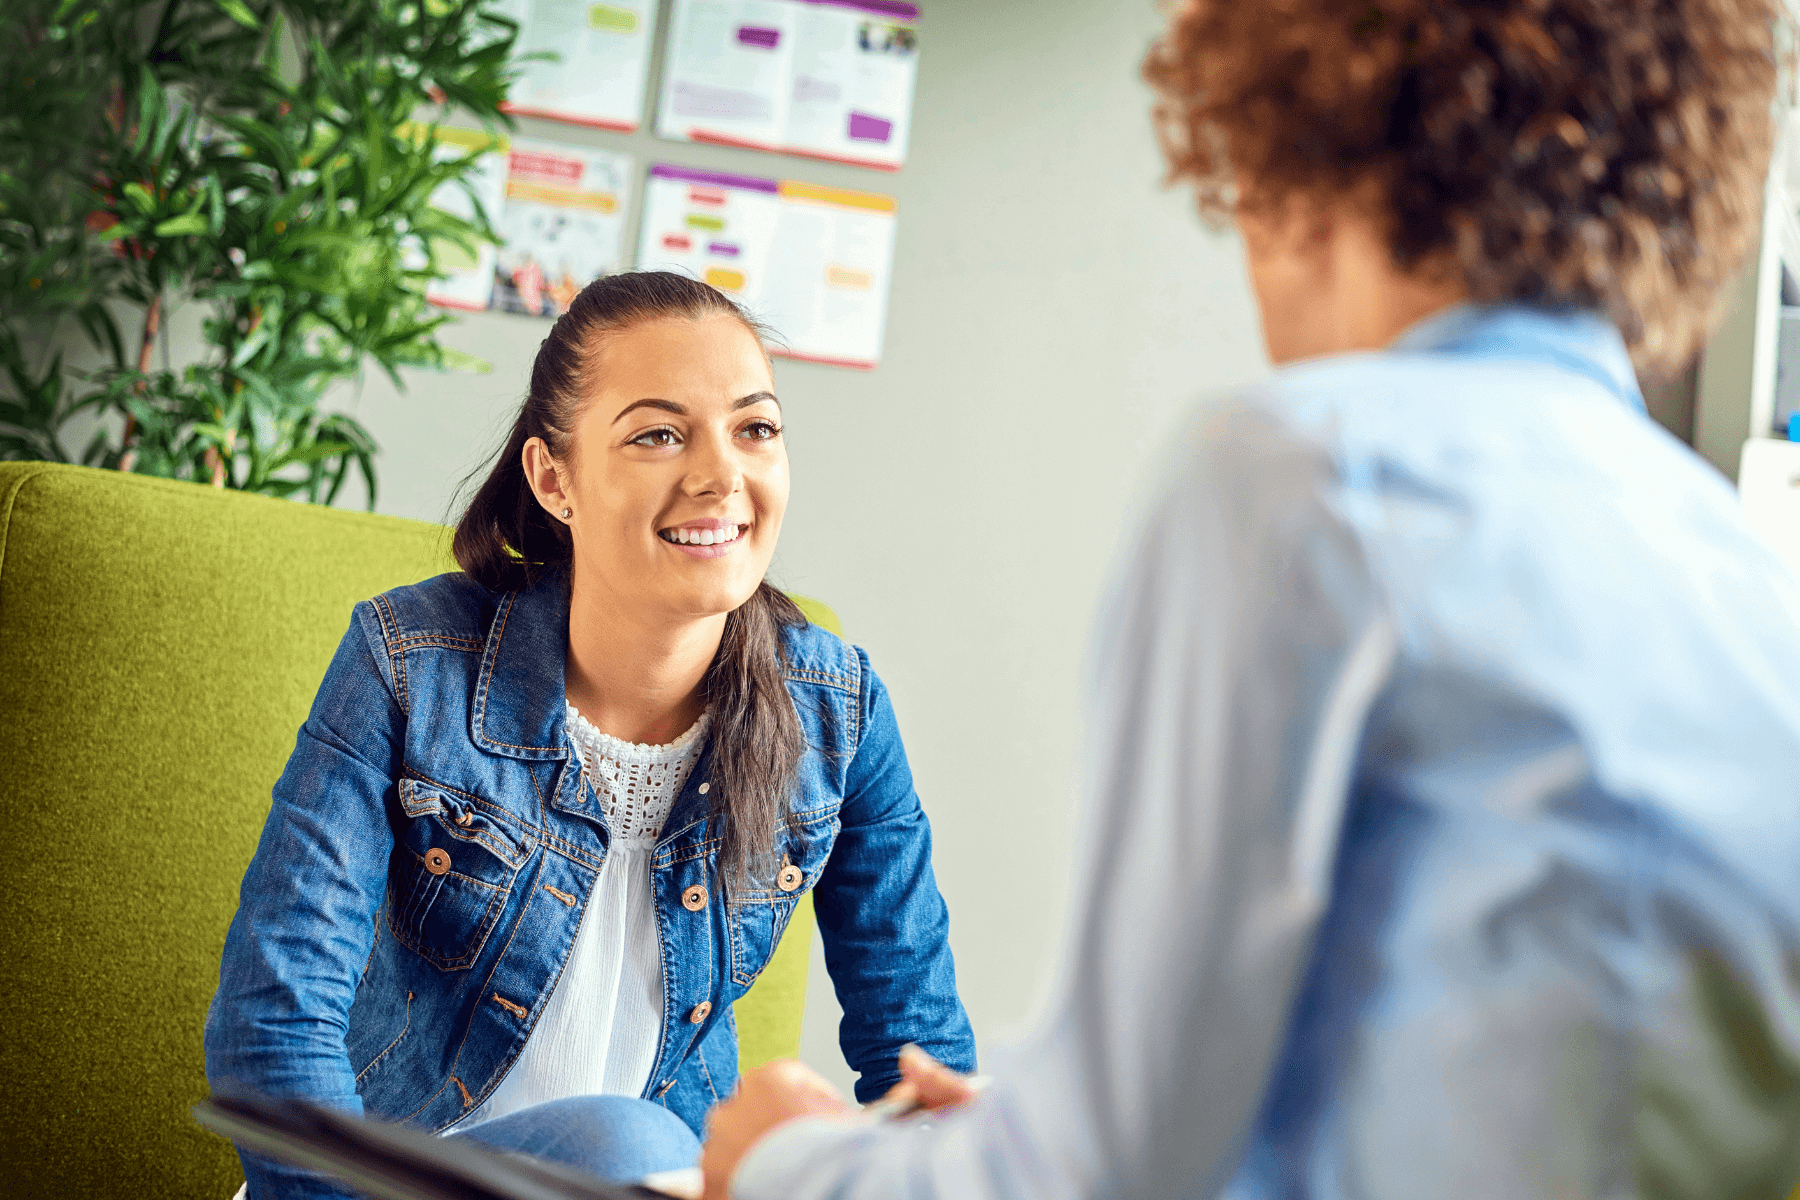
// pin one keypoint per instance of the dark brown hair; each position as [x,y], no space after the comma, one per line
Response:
[1603,154]
[506,541]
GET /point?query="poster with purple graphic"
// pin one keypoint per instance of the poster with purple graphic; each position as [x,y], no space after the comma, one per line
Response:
[827,79]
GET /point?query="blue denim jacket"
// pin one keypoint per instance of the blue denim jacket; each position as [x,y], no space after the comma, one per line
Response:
[355,977]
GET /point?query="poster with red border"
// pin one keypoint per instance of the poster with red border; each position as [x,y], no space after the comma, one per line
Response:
[583,62]
[563,224]
[812,262]
[825,79]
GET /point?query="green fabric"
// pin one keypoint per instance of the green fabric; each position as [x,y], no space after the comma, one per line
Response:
[159,646]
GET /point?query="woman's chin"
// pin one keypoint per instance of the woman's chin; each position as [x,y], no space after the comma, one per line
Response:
[713,599]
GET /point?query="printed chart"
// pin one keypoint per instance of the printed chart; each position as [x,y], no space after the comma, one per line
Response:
[812,262]
[563,223]
[602,59]
[471,275]
[828,79]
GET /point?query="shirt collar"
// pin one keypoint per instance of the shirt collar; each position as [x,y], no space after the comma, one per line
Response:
[1575,339]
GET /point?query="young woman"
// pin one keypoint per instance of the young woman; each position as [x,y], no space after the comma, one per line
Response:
[1447,835]
[549,816]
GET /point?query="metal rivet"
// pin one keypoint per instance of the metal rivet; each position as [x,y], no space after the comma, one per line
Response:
[790,878]
[436,861]
[705,788]
[694,899]
[700,1012]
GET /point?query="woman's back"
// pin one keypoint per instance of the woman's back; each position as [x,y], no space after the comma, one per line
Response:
[1571,851]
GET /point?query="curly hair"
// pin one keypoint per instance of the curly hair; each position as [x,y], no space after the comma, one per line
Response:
[1601,154]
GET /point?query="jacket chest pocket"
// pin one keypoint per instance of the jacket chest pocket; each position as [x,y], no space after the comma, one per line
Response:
[756,929]
[450,878]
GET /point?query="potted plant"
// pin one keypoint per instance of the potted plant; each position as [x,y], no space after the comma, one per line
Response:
[260,158]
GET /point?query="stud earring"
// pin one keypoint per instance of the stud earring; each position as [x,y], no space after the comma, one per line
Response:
[567,513]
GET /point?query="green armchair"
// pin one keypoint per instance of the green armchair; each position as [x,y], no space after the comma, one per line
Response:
[160,644]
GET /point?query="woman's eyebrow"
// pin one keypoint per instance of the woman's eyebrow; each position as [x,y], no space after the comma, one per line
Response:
[665,405]
[681,411]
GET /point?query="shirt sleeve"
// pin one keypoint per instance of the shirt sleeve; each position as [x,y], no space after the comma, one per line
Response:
[1242,646]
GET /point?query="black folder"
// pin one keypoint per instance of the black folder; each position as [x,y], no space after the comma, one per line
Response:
[393,1162]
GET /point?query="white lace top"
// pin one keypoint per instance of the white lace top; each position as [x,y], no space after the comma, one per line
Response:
[600,1029]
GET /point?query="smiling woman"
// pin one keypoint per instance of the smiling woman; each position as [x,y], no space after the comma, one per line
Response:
[550,815]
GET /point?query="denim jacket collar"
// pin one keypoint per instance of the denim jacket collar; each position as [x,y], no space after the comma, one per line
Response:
[519,697]
[1577,340]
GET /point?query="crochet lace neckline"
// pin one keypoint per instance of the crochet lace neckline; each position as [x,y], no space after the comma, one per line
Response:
[637,784]
[624,751]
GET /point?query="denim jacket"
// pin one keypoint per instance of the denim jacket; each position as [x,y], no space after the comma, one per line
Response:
[355,975]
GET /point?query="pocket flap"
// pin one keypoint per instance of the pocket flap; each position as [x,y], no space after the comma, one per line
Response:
[467,819]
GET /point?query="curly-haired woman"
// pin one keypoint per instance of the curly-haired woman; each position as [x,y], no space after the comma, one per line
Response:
[1447,840]
[550,814]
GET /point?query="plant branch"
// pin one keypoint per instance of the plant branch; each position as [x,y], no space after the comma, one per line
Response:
[152,323]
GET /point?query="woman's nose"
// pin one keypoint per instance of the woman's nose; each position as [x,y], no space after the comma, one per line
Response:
[715,472]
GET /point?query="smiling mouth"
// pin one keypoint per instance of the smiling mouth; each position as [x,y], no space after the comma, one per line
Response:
[704,537]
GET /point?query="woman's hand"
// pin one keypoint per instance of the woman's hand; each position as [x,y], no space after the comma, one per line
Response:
[766,1097]
[925,1083]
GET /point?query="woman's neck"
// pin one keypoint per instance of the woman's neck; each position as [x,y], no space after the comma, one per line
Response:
[634,676]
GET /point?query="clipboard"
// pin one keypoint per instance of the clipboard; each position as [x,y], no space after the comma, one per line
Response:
[394,1162]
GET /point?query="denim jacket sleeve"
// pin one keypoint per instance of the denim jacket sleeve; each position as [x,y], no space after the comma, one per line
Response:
[885,927]
[305,921]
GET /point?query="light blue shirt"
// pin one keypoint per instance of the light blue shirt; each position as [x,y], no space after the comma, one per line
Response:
[1443,839]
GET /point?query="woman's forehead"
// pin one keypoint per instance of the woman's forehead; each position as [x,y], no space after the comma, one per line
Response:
[714,360]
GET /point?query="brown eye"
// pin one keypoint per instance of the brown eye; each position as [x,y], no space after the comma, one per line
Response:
[661,436]
[759,431]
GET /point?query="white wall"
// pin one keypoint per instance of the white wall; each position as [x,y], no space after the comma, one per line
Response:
[1053,312]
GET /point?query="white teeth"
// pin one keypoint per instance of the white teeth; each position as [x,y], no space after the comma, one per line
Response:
[705,537]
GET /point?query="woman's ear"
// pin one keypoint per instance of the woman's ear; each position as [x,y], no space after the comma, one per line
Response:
[545,477]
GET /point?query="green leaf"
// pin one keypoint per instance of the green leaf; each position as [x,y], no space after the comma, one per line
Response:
[140,196]
[182,226]
[236,11]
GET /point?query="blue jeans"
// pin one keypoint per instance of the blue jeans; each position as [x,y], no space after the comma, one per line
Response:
[619,1139]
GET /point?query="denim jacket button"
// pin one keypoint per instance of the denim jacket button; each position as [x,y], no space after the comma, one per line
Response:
[705,788]
[790,878]
[700,1012]
[436,861]
[694,899]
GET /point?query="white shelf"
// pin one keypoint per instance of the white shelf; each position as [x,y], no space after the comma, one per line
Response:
[1769,483]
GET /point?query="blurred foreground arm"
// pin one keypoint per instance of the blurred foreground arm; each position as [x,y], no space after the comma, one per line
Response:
[1241,651]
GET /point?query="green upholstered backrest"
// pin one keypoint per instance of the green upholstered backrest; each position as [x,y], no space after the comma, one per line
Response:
[160,644]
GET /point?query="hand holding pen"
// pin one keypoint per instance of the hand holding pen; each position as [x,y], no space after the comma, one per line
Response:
[926,1085]
[786,1090]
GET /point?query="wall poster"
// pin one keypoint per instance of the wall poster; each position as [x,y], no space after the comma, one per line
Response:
[563,224]
[827,79]
[813,262]
[602,60]
[471,275]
